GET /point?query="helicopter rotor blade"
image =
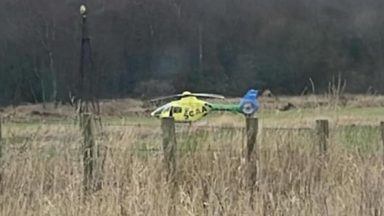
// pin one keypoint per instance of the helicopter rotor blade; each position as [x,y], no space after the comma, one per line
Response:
[165,97]
[202,95]
[206,95]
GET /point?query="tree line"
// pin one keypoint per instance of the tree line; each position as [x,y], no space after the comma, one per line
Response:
[145,48]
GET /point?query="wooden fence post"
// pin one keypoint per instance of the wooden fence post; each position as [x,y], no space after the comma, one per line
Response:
[382,136]
[252,158]
[322,132]
[1,137]
[2,143]
[169,145]
[169,148]
[89,152]
[252,125]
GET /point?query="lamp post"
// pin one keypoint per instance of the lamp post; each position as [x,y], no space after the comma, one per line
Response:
[90,151]
[85,43]
[88,98]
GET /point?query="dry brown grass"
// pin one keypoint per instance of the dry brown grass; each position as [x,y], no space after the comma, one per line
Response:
[42,174]
[120,108]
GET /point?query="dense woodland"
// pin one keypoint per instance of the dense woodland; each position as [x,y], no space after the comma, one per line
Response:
[152,47]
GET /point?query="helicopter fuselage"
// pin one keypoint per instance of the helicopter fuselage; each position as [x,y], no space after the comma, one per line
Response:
[186,109]
[190,108]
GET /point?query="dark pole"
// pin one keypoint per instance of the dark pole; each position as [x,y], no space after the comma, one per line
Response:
[84,53]
[91,161]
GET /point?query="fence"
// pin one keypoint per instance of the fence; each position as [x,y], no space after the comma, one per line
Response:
[169,146]
[251,152]
[321,131]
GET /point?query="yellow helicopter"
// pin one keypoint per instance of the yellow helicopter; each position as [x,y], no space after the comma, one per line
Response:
[189,108]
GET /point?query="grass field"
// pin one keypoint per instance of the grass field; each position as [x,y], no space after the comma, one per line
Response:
[42,168]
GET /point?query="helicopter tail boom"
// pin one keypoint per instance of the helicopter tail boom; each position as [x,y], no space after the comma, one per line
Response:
[226,107]
[248,104]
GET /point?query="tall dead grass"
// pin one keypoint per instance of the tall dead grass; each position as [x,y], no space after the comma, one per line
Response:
[42,175]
